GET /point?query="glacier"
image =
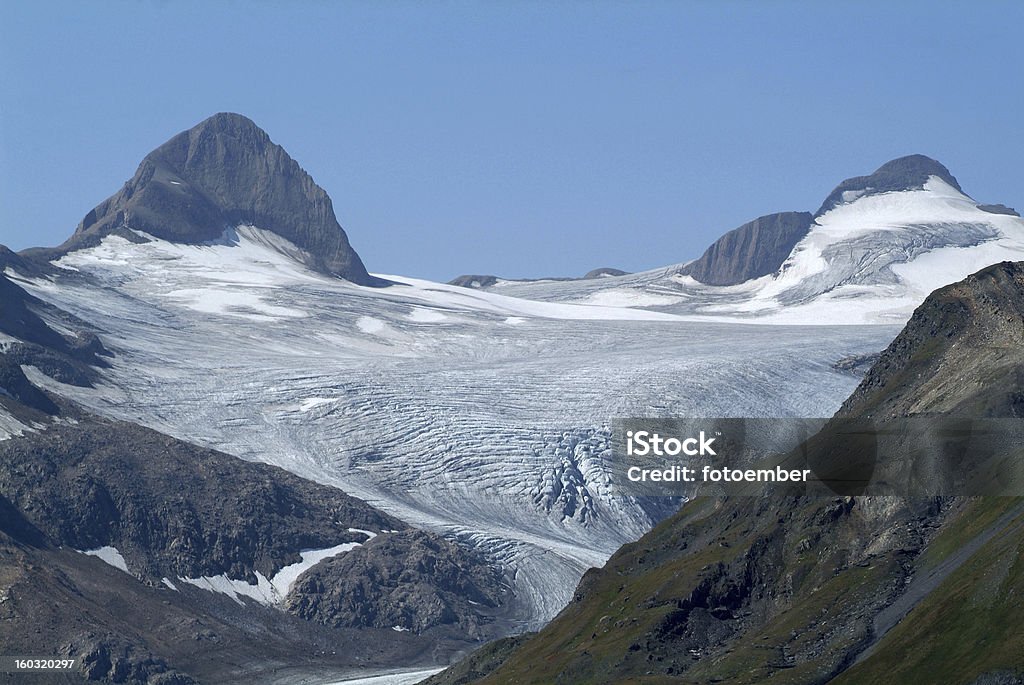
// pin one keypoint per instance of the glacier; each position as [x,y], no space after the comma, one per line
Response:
[480,415]
[484,413]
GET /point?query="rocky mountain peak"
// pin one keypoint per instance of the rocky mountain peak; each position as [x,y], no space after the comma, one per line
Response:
[760,247]
[223,172]
[904,173]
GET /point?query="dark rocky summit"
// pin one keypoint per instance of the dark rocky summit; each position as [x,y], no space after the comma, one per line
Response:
[223,172]
[999,209]
[904,173]
[801,589]
[755,249]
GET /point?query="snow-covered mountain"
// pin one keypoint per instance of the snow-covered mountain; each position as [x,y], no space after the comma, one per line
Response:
[482,414]
[876,248]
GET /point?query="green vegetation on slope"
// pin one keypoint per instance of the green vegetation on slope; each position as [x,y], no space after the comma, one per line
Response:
[970,625]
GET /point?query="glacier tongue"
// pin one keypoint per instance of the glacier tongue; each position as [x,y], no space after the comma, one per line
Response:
[476,414]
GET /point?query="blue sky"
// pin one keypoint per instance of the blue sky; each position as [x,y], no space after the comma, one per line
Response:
[517,138]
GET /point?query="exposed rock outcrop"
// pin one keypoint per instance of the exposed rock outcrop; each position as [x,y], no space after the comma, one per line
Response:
[223,172]
[755,249]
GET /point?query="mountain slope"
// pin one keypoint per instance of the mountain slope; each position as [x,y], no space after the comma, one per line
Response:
[126,547]
[470,413]
[222,173]
[958,353]
[793,589]
[464,412]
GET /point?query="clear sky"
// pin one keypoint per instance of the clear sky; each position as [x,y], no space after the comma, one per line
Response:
[516,138]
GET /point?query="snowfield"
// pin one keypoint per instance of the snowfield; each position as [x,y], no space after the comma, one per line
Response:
[871,260]
[479,414]
[111,555]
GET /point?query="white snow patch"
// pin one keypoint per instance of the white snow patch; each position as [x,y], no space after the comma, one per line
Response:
[368,533]
[424,315]
[109,555]
[273,591]
[399,629]
[286,577]
[941,267]
[229,302]
[242,256]
[168,583]
[368,324]
[263,592]
[312,402]
[236,275]
[9,426]
[455,297]
[686,280]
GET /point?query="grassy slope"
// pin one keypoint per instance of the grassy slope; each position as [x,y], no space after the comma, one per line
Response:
[970,625]
[623,632]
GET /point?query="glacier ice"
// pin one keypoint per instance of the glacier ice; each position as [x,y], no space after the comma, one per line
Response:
[477,414]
